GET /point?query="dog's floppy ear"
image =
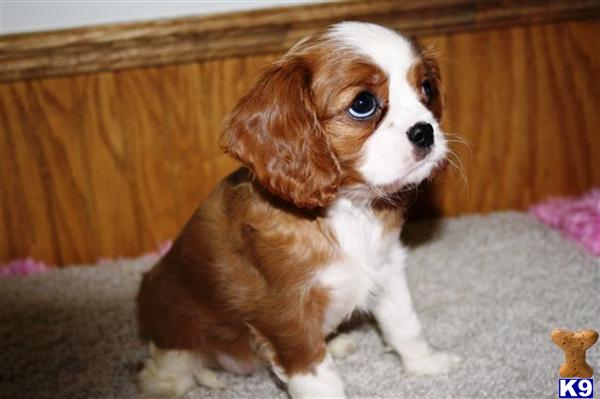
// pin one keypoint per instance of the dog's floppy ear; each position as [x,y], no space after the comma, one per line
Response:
[275,132]
[428,69]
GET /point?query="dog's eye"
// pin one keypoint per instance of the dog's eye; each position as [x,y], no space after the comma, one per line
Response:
[363,107]
[427,91]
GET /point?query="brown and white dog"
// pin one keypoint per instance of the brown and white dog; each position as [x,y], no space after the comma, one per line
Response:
[289,246]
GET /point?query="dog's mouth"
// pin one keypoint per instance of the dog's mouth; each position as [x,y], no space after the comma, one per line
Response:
[425,168]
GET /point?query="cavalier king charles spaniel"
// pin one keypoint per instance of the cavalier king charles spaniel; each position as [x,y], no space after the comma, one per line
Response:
[306,233]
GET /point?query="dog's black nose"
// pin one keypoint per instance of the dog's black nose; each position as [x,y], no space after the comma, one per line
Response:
[421,135]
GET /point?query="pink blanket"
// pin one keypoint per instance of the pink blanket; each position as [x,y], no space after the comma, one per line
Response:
[24,267]
[577,218]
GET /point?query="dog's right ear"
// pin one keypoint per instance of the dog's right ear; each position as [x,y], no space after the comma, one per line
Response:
[275,132]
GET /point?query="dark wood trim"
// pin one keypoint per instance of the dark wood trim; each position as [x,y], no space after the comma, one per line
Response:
[112,47]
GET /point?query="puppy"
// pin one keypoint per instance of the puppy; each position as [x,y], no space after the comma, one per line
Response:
[307,232]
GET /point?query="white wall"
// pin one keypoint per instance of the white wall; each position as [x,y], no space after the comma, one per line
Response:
[27,16]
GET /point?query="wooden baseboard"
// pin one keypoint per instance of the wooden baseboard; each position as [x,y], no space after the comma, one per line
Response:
[112,47]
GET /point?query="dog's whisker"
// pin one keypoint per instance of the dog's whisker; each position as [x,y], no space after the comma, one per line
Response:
[457,139]
[456,164]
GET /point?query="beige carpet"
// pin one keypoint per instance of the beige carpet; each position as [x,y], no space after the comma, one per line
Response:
[488,288]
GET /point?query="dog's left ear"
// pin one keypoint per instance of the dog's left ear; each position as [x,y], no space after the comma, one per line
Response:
[433,74]
[276,133]
[427,70]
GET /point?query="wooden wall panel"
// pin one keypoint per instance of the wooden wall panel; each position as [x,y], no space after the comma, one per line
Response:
[112,163]
[526,101]
[200,38]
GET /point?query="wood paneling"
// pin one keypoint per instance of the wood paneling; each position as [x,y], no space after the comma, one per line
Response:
[112,47]
[112,163]
[526,101]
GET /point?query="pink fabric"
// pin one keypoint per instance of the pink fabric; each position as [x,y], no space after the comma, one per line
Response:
[577,218]
[22,267]
[25,267]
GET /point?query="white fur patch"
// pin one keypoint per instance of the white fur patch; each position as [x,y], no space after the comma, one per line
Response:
[401,328]
[365,250]
[322,382]
[341,346]
[388,156]
[172,373]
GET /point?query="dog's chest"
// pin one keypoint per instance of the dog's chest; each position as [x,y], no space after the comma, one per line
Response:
[364,250]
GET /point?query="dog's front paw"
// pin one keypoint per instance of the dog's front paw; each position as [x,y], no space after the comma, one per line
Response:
[322,381]
[436,363]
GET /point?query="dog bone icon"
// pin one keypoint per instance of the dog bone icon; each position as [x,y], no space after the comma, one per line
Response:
[574,344]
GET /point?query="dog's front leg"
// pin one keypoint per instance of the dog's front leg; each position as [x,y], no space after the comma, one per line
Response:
[320,381]
[401,329]
[299,357]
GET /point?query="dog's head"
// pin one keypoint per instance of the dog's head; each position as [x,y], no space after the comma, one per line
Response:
[352,111]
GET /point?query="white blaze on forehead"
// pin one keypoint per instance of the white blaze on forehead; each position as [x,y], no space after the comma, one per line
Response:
[389,50]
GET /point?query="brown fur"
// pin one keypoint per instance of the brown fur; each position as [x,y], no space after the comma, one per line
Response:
[243,262]
[276,133]
[239,278]
[426,68]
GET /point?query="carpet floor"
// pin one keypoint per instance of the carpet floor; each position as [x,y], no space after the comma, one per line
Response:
[488,288]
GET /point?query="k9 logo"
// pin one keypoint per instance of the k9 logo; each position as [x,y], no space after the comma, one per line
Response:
[576,388]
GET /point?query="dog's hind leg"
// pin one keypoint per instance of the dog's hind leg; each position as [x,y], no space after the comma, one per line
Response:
[172,373]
